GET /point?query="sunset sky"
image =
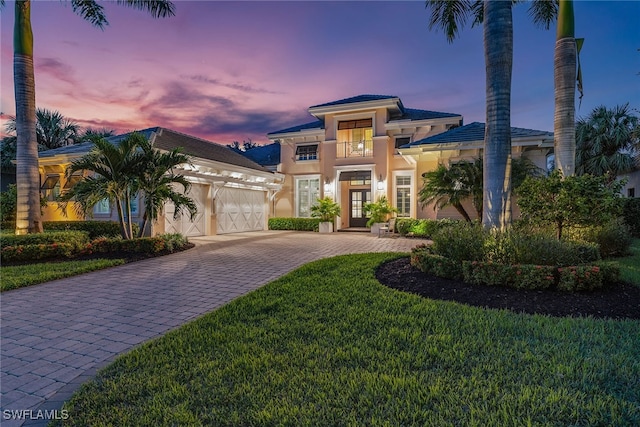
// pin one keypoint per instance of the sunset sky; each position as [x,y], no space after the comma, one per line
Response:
[228,71]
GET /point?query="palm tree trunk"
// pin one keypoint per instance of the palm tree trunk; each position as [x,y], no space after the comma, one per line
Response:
[564,60]
[27,174]
[123,226]
[498,51]
[462,211]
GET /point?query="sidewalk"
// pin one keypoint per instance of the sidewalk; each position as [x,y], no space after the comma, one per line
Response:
[55,336]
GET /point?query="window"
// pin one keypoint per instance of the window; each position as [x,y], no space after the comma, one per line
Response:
[51,187]
[403,195]
[631,192]
[307,152]
[402,141]
[355,138]
[551,162]
[307,193]
[102,207]
[134,205]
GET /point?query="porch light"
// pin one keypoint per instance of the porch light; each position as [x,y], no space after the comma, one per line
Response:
[380,183]
[327,185]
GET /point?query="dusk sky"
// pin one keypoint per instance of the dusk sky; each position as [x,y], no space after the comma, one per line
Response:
[228,71]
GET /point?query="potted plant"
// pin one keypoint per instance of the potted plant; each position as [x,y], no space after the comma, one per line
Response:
[326,209]
[379,213]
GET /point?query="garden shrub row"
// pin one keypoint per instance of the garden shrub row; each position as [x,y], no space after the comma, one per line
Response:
[54,250]
[631,215]
[93,228]
[519,276]
[296,224]
[74,238]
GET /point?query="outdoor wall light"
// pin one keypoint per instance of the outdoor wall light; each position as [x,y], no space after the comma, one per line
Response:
[380,183]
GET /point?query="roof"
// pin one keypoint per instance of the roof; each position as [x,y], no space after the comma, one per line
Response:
[318,124]
[474,132]
[265,155]
[167,139]
[414,114]
[399,112]
[353,99]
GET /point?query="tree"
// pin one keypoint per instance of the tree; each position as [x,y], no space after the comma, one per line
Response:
[246,146]
[27,175]
[113,173]
[93,135]
[157,180]
[569,201]
[608,142]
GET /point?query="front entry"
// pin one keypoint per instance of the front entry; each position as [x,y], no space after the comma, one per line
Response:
[358,198]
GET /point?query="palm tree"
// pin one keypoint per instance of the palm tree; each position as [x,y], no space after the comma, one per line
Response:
[93,135]
[157,181]
[53,130]
[608,142]
[113,170]
[445,187]
[27,175]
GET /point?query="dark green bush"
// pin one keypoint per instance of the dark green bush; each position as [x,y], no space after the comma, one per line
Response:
[147,245]
[519,276]
[37,252]
[94,228]
[579,278]
[297,224]
[421,227]
[429,263]
[460,242]
[75,238]
[631,215]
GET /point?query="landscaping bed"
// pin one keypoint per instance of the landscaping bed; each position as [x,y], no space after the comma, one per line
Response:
[614,300]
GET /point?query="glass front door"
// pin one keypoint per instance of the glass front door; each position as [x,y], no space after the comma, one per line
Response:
[358,198]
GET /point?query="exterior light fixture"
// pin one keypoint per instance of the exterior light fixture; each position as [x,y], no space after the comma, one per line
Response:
[327,185]
[380,183]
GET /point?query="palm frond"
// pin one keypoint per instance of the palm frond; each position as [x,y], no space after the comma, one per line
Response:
[157,8]
[544,12]
[450,16]
[90,10]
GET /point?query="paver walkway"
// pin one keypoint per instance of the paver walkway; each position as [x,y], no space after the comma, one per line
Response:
[55,336]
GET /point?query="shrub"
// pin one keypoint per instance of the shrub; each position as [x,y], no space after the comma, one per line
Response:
[579,278]
[631,215]
[76,239]
[422,227]
[142,245]
[36,252]
[297,224]
[460,242]
[429,263]
[94,228]
[519,276]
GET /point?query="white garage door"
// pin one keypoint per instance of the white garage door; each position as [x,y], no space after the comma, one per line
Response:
[183,224]
[240,210]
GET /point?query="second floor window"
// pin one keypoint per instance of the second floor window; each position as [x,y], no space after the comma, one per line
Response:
[355,138]
[307,152]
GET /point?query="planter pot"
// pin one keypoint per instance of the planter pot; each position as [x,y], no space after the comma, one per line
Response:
[326,227]
[375,228]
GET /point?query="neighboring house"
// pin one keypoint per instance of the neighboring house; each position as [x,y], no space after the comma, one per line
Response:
[232,193]
[368,146]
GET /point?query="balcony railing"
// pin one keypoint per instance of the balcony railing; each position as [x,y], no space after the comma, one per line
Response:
[362,148]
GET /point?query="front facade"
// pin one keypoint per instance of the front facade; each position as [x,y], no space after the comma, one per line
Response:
[361,148]
[232,193]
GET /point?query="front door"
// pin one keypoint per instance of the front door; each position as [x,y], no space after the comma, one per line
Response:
[358,198]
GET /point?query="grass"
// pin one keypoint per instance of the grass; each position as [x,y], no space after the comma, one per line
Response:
[630,265]
[18,276]
[329,345]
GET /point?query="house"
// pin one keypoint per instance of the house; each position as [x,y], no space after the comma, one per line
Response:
[232,192]
[361,148]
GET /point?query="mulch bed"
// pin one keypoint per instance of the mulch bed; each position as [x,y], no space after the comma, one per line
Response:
[614,301]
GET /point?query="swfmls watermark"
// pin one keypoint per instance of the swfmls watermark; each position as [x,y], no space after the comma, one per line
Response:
[31,414]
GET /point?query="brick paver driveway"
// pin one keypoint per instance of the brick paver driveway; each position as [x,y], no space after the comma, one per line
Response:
[56,335]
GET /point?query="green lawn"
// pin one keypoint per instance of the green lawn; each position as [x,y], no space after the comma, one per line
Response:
[18,276]
[328,345]
[630,265]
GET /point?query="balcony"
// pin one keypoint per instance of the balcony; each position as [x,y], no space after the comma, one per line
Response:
[363,148]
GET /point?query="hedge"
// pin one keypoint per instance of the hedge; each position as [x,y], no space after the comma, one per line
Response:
[94,228]
[75,238]
[297,224]
[424,228]
[631,215]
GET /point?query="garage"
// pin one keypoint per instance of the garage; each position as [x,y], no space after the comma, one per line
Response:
[183,224]
[240,209]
